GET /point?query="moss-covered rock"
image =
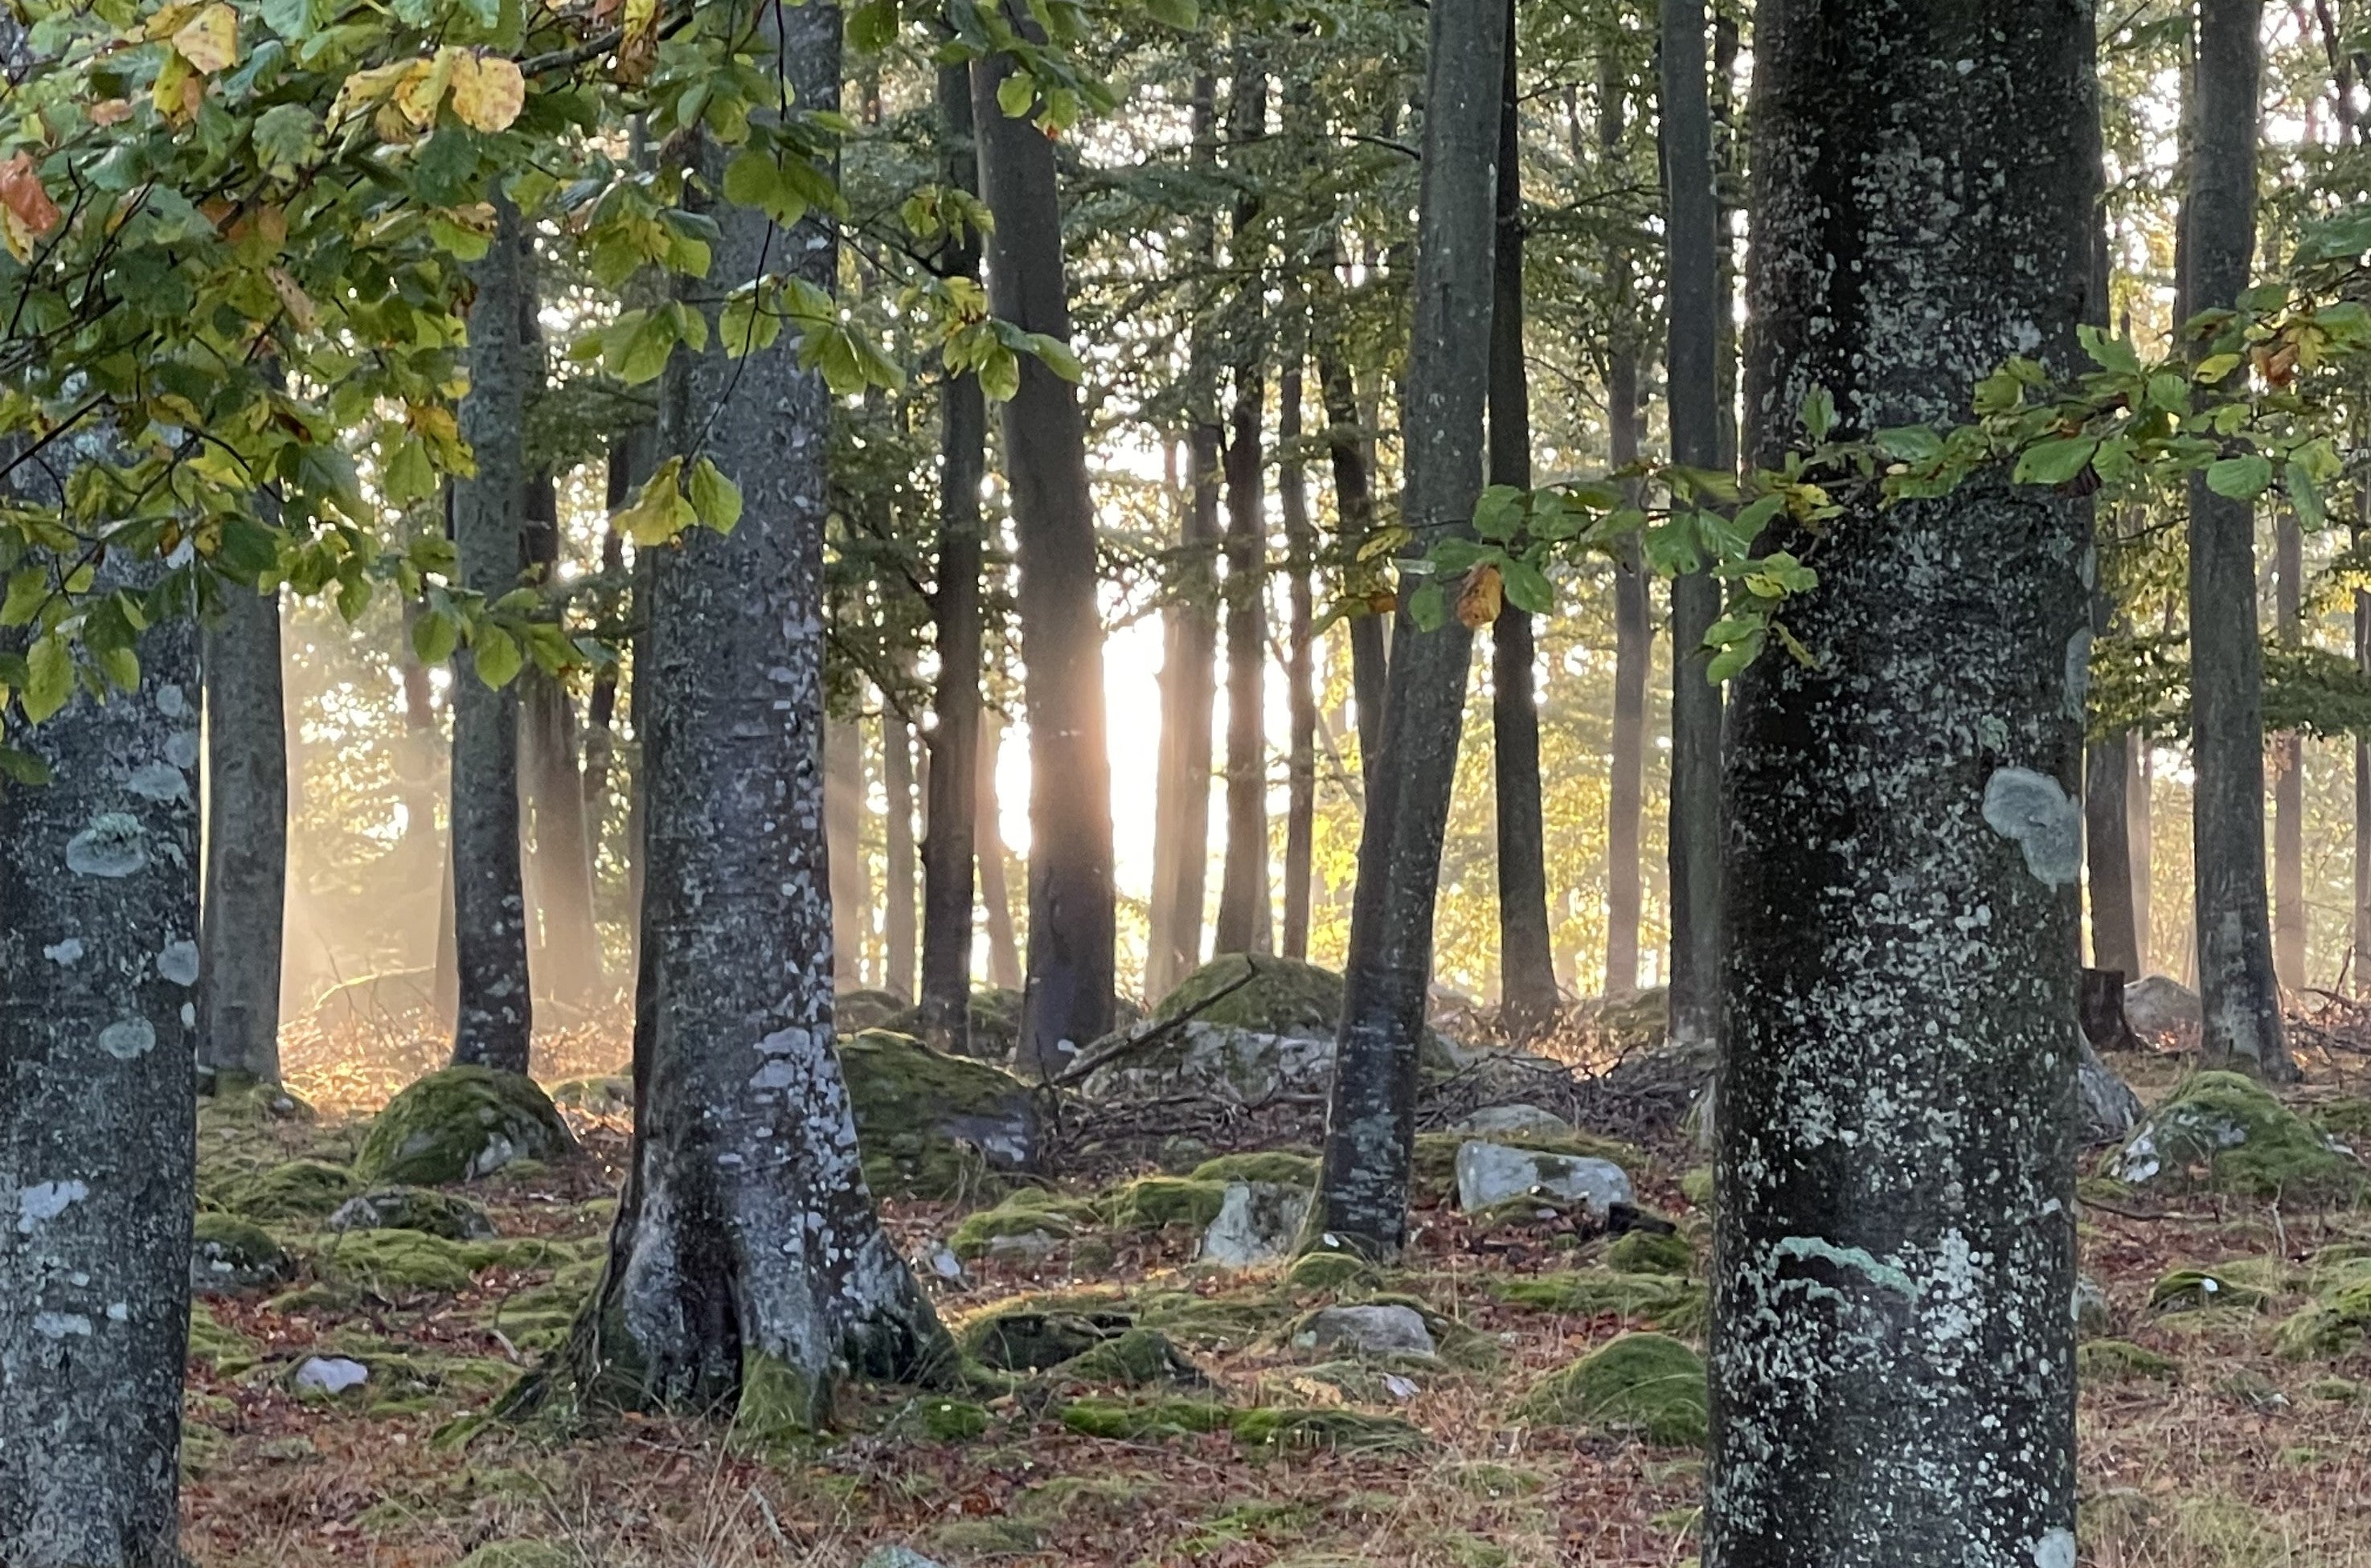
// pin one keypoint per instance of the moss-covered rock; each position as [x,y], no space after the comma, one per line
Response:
[1212,1322]
[1347,1430]
[2223,1133]
[952,1420]
[296,1188]
[1652,1252]
[1649,1384]
[856,1011]
[414,1209]
[1136,1358]
[1275,995]
[1030,1339]
[1434,1170]
[1024,1212]
[394,1265]
[2245,1284]
[460,1125]
[2119,1361]
[1152,1202]
[1144,1419]
[1676,1306]
[932,1125]
[229,1254]
[1277,1167]
[606,1094]
[1337,1272]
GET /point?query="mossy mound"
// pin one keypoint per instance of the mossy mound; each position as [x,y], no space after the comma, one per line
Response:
[1652,1252]
[1212,1322]
[1350,1431]
[1276,1167]
[1152,1202]
[1675,1305]
[2338,1319]
[1145,1420]
[2119,1361]
[394,1265]
[1136,1358]
[296,1188]
[2348,1117]
[2220,1131]
[2246,1283]
[228,1255]
[1028,1339]
[1027,1211]
[952,1420]
[1273,996]
[852,1012]
[1339,1271]
[414,1209]
[460,1125]
[1649,1384]
[932,1125]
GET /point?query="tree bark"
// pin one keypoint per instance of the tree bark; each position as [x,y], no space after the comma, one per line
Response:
[1370,1126]
[2361,958]
[564,950]
[495,1012]
[1634,657]
[748,1265]
[1527,982]
[1691,363]
[897,855]
[246,842]
[1300,675]
[1245,919]
[851,879]
[2288,761]
[1895,1171]
[995,892]
[99,910]
[1354,511]
[954,736]
[1188,701]
[1071,913]
[2238,987]
[2138,792]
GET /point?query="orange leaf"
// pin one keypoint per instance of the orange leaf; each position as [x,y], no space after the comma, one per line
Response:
[1478,598]
[22,193]
[110,112]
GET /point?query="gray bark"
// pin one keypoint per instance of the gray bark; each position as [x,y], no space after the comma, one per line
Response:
[2140,786]
[1299,675]
[246,842]
[1071,913]
[2106,814]
[495,1012]
[2288,783]
[1634,630]
[898,856]
[843,821]
[1891,1354]
[1244,923]
[1693,264]
[1354,511]
[1371,1120]
[98,916]
[747,1263]
[2237,984]
[564,945]
[2360,965]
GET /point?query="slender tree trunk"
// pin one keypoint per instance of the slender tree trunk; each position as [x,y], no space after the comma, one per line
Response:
[2143,844]
[1354,510]
[2106,814]
[99,910]
[494,1016]
[2288,784]
[2237,985]
[629,466]
[2360,967]
[1634,625]
[1527,981]
[1370,1126]
[1727,178]
[748,1265]
[565,949]
[897,854]
[1878,1395]
[1244,918]
[1071,913]
[247,843]
[995,892]
[852,879]
[1691,358]
[1300,675]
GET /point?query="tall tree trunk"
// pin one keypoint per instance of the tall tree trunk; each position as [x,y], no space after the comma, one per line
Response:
[1527,982]
[2140,835]
[425,779]
[2238,987]
[1692,364]
[1243,924]
[1071,913]
[1371,1124]
[2288,784]
[1864,1367]
[99,910]
[1354,511]
[494,1015]
[564,948]
[1634,625]
[246,842]
[851,879]
[1727,178]
[1300,675]
[897,855]
[995,892]
[2360,964]
[2107,815]
[954,736]
[748,1263]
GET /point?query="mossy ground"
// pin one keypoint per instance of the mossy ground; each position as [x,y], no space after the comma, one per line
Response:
[2241,1456]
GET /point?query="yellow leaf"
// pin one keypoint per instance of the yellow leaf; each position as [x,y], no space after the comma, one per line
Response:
[294,299]
[168,20]
[367,89]
[209,40]
[487,93]
[174,91]
[1477,600]
[639,50]
[424,86]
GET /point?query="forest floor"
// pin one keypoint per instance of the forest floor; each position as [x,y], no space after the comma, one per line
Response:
[2206,1449]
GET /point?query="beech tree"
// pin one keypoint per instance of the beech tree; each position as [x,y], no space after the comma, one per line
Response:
[246,842]
[1892,1352]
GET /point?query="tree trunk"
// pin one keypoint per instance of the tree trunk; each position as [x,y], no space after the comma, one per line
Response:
[2138,792]
[98,907]
[2288,760]
[2115,943]
[1188,699]
[1354,511]
[2361,964]
[1634,625]
[1370,1126]
[564,947]
[748,1265]
[1891,1352]
[1727,177]
[247,843]
[897,855]
[1300,675]
[1072,915]
[851,879]
[1243,924]
[494,1013]
[1527,982]
[1691,363]
[954,736]
[995,892]
[2238,987]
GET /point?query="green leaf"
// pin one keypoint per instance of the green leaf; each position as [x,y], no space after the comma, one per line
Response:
[49,678]
[1000,374]
[285,135]
[715,499]
[120,665]
[434,635]
[409,476]
[1500,514]
[873,26]
[753,179]
[292,19]
[1818,413]
[1527,587]
[29,589]
[2055,461]
[2215,367]
[2306,496]
[497,655]
[1909,443]
[2109,352]
[1733,658]
[1016,94]
[2240,479]
[1182,14]
[1429,608]
[23,768]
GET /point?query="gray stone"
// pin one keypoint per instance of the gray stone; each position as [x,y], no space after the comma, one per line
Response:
[1025,1246]
[331,1375]
[1259,1222]
[1228,1061]
[2110,1108]
[1491,1173]
[2092,1316]
[897,1557]
[2156,1005]
[1366,1331]
[1532,1120]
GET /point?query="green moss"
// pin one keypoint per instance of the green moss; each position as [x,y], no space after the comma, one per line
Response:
[778,1403]
[952,1420]
[415,1208]
[1275,995]
[520,1554]
[223,1351]
[1135,1359]
[1139,1421]
[1280,1168]
[2348,1117]
[1349,1430]
[391,1265]
[924,1118]
[987,1536]
[1696,1185]
[2337,1391]
[2236,1285]
[1337,1272]
[1675,1305]
[1026,1339]
[1027,1211]
[2119,1361]
[1648,1252]
[230,1253]
[460,1125]
[607,1094]
[1152,1202]
[2226,1133]
[1212,1322]
[1649,1384]
[298,1189]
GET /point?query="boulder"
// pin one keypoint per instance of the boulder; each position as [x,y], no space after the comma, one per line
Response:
[930,1123]
[1522,1118]
[393,1264]
[1273,996]
[2220,1131]
[1491,1173]
[1139,1359]
[2110,1108]
[1025,1339]
[1028,1224]
[414,1209]
[229,1254]
[1649,1384]
[1371,1330]
[607,1094]
[2156,1005]
[328,1374]
[1258,1222]
[460,1125]
[856,1011]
